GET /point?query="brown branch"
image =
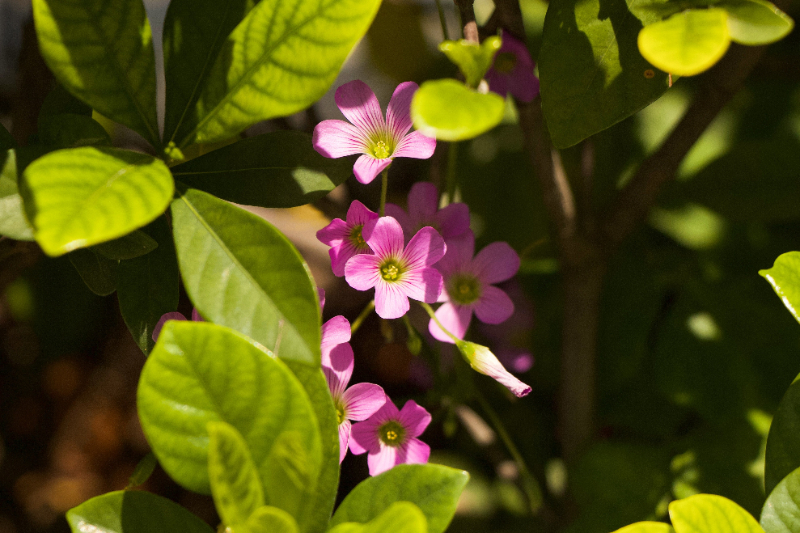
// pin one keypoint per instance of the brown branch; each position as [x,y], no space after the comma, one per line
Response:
[468,23]
[633,203]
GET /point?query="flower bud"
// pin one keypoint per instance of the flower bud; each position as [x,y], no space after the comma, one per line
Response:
[481,359]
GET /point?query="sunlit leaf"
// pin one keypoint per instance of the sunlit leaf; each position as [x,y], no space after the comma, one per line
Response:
[756,22]
[13,222]
[647,527]
[268,519]
[784,276]
[450,111]
[708,513]
[399,517]
[473,59]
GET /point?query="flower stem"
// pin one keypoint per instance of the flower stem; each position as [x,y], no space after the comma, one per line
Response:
[384,188]
[452,162]
[442,20]
[362,316]
[432,314]
[528,481]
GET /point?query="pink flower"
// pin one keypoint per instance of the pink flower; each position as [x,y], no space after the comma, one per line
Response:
[358,402]
[321,297]
[423,210]
[390,437]
[345,236]
[397,273]
[378,141]
[468,285]
[481,359]
[512,71]
[174,316]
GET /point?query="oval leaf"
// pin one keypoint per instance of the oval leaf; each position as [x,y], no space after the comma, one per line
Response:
[102,52]
[84,196]
[280,59]
[133,512]
[781,512]
[70,130]
[399,517]
[687,43]
[13,222]
[200,372]
[268,520]
[756,22]
[784,276]
[243,273]
[435,489]
[647,527]
[708,513]
[279,169]
[130,246]
[450,111]
[783,443]
[96,271]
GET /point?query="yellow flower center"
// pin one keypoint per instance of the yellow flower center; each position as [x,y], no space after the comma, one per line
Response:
[464,289]
[505,62]
[356,238]
[392,433]
[390,271]
[380,150]
[340,413]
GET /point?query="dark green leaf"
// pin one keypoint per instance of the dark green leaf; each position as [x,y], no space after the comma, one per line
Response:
[781,513]
[243,273]
[84,196]
[133,512]
[399,517]
[783,442]
[96,271]
[71,131]
[434,489]
[592,75]
[784,276]
[756,22]
[449,110]
[302,43]
[279,169]
[6,140]
[143,471]
[200,372]
[59,102]
[708,513]
[13,222]
[130,246]
[102,52]
[147,286]
[473,60]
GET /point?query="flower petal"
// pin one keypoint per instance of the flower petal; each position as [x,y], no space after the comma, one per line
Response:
[364,437]
[424,249]
[367,167]
[455,318]
[321,297]
[334,233]
[423,285]
[385,237]
[494,305]
[337,365]
[362,272]
[382,460]
[335,331]
[414,418]
[398,113]
[341,254]
[196,315]
[484,361]
[337,138]
[166,316]
[363,400]
[453,220]
[416,146]
[344,438]
[416,452]
[358,214]
[495,263]
[402,218]
[524,85]
[358,103]
[459,254]
[390,300]
[423,201]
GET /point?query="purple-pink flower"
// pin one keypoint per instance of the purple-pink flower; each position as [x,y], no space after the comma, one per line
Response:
[397,272]
[512,71]
[390,437]
[423,210]
[174,316]
[481,359]
[358,402]
[367,133]
[345,236]
[468,285]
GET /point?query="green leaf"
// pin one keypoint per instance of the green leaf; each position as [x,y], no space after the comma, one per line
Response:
[708,513]
[69,130]
[243,273]
[194,33]
[781,512]
[592,75]
[783,443]
[472,59]
[399,517]
[200,372]
[647,527]
[290,476]
[302,43]
[784,276]
[756,22]
[130,246]
[279,169]
[84,196]
[133,512]
[6,140]
[451,111]
[148,286]
[435,489]
[95,270]
[234,479]
[59,102]
[268,520]
[686,43]
[144,469]
[13,222]
[102,52]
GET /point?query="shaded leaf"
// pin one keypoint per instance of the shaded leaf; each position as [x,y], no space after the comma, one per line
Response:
[97,271]
[13,222]
[130,246]
[143,471]
[6,140]
[69,130]
[448,110]
[781,512]
[783,443]
[756,22]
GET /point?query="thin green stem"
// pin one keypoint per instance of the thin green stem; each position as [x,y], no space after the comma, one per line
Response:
[442,20]
[384,189]
[452,181]
[432,314]
[362,316]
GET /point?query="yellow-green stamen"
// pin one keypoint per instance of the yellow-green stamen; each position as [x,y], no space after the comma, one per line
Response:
[356,239]
[464,289]
[390,271]
[380,150]
[392,433]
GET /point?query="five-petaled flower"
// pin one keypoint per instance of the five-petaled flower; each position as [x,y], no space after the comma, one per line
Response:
[358,402]
[390,437]
[512,71]
[175,315]
[397,272]
[423,210]
[345,236]
[468,285]
[379,141]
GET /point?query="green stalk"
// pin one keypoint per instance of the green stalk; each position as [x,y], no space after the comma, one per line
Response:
[362,316]
[384,188]
[442,20]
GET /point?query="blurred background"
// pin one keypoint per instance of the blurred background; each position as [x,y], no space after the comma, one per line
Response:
[695,350]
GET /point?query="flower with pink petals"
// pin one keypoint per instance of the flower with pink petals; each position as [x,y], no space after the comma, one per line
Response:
[390,437]
[423,210]
[512,71]
[174,316]
[396,271]
[367,133]
[358,402]
[345,236]
[468,285]
[481,359]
